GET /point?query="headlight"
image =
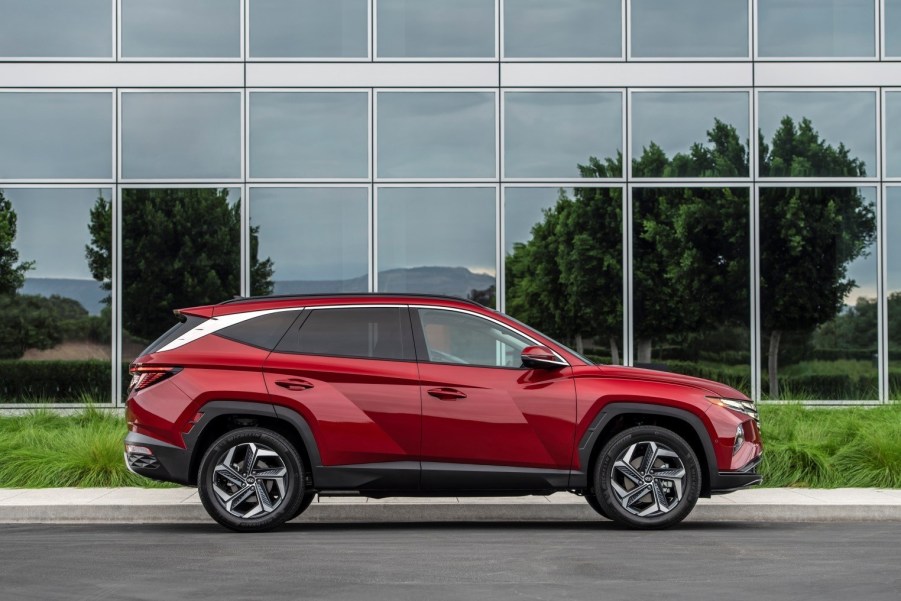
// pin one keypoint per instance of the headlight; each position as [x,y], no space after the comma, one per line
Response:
[746,407]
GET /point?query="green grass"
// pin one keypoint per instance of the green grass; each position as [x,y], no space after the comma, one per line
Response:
[42,449]
[831,447]
[805,447]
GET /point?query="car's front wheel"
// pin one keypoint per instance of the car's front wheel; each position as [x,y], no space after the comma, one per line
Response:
[251,480]
[647,477]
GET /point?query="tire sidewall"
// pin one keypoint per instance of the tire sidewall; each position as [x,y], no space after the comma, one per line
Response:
[604,465]
[294,488]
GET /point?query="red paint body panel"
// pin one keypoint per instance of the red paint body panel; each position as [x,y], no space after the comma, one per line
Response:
[360,410]
[511,417]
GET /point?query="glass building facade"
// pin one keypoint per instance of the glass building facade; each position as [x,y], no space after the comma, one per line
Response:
[711,187]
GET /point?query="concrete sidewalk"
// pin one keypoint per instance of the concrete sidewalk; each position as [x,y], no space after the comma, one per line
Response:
[181,505]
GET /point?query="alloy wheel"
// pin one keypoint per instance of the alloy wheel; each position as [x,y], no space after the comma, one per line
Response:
[648,479]
[249,481]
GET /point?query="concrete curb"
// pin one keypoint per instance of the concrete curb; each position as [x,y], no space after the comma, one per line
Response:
[441,512]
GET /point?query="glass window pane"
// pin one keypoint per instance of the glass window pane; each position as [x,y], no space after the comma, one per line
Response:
[436,134]
[367,333]
[818,293]
[56,135]
[690,134]
[181,135]
[892,28]
[563,245]
[690,275]
[817,134]
[309,28]
[316,238]
[555,134]
[689,28]
[435,28]
[893,288]
[181,28]
[461,339]
[60,314]
[563,28]
[309,134]
[438,241]
[56,28]
[816,28]
[893,134]
[181,247]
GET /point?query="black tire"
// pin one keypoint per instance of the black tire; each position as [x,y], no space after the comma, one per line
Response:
[676,496]
[592,498]
[273,452]
[304,504]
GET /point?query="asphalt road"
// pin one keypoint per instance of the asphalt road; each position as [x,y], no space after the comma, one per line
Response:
[373,562]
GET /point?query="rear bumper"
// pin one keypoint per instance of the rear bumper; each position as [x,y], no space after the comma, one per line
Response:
[724,482]
[165,462]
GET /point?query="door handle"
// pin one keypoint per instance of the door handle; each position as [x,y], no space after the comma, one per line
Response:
[294,384]
[447,394]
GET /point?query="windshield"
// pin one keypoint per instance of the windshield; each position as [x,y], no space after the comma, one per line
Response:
[533,331]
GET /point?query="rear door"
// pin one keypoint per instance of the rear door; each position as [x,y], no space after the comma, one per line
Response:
[351,372]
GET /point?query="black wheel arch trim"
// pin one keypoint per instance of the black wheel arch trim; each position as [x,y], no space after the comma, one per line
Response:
[591,439]
[215,409]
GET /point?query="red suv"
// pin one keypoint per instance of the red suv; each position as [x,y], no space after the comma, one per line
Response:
[263,403]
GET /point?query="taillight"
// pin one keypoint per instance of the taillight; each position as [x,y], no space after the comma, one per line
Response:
[143,376]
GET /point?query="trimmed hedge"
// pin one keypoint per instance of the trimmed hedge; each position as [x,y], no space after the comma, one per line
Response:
[54,381]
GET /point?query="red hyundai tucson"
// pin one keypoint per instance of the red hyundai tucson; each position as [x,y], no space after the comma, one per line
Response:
[263,403]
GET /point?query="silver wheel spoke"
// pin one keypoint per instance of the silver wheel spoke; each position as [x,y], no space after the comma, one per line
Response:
[249,481]
[653,488]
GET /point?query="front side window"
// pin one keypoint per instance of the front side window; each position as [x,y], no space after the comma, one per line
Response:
[458,338]
[364,332]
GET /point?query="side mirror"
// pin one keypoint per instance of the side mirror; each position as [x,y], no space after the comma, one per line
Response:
[541,357]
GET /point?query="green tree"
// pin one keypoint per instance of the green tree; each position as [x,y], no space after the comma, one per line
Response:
[180,247]
[549,277]
[12,272]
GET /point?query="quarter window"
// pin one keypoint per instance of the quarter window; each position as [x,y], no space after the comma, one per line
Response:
[365,332]
[452,337]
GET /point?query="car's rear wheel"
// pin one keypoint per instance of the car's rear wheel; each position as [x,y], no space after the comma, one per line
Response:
[251,480]
[647,477]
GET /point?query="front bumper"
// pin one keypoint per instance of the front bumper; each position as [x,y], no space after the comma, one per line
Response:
[724,482]
[165,462]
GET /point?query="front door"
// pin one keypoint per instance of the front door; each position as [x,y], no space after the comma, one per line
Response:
[487,422]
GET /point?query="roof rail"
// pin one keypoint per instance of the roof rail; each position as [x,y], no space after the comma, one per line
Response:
[252,299]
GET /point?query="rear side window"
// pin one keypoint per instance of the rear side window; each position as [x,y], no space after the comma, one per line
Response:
[189,323]
[263,332]
[365,332]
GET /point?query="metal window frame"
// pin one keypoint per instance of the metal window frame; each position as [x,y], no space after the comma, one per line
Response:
[562,59]
[242,49]
[882,374]
[557,178]
[875,178]
[248,195]
[114,47]
[115,330]
[309,59]
[238,180]
[494,91]
[877,30]
[374,232]
[748,57]
[627,160]
[114,116]
[432,59]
